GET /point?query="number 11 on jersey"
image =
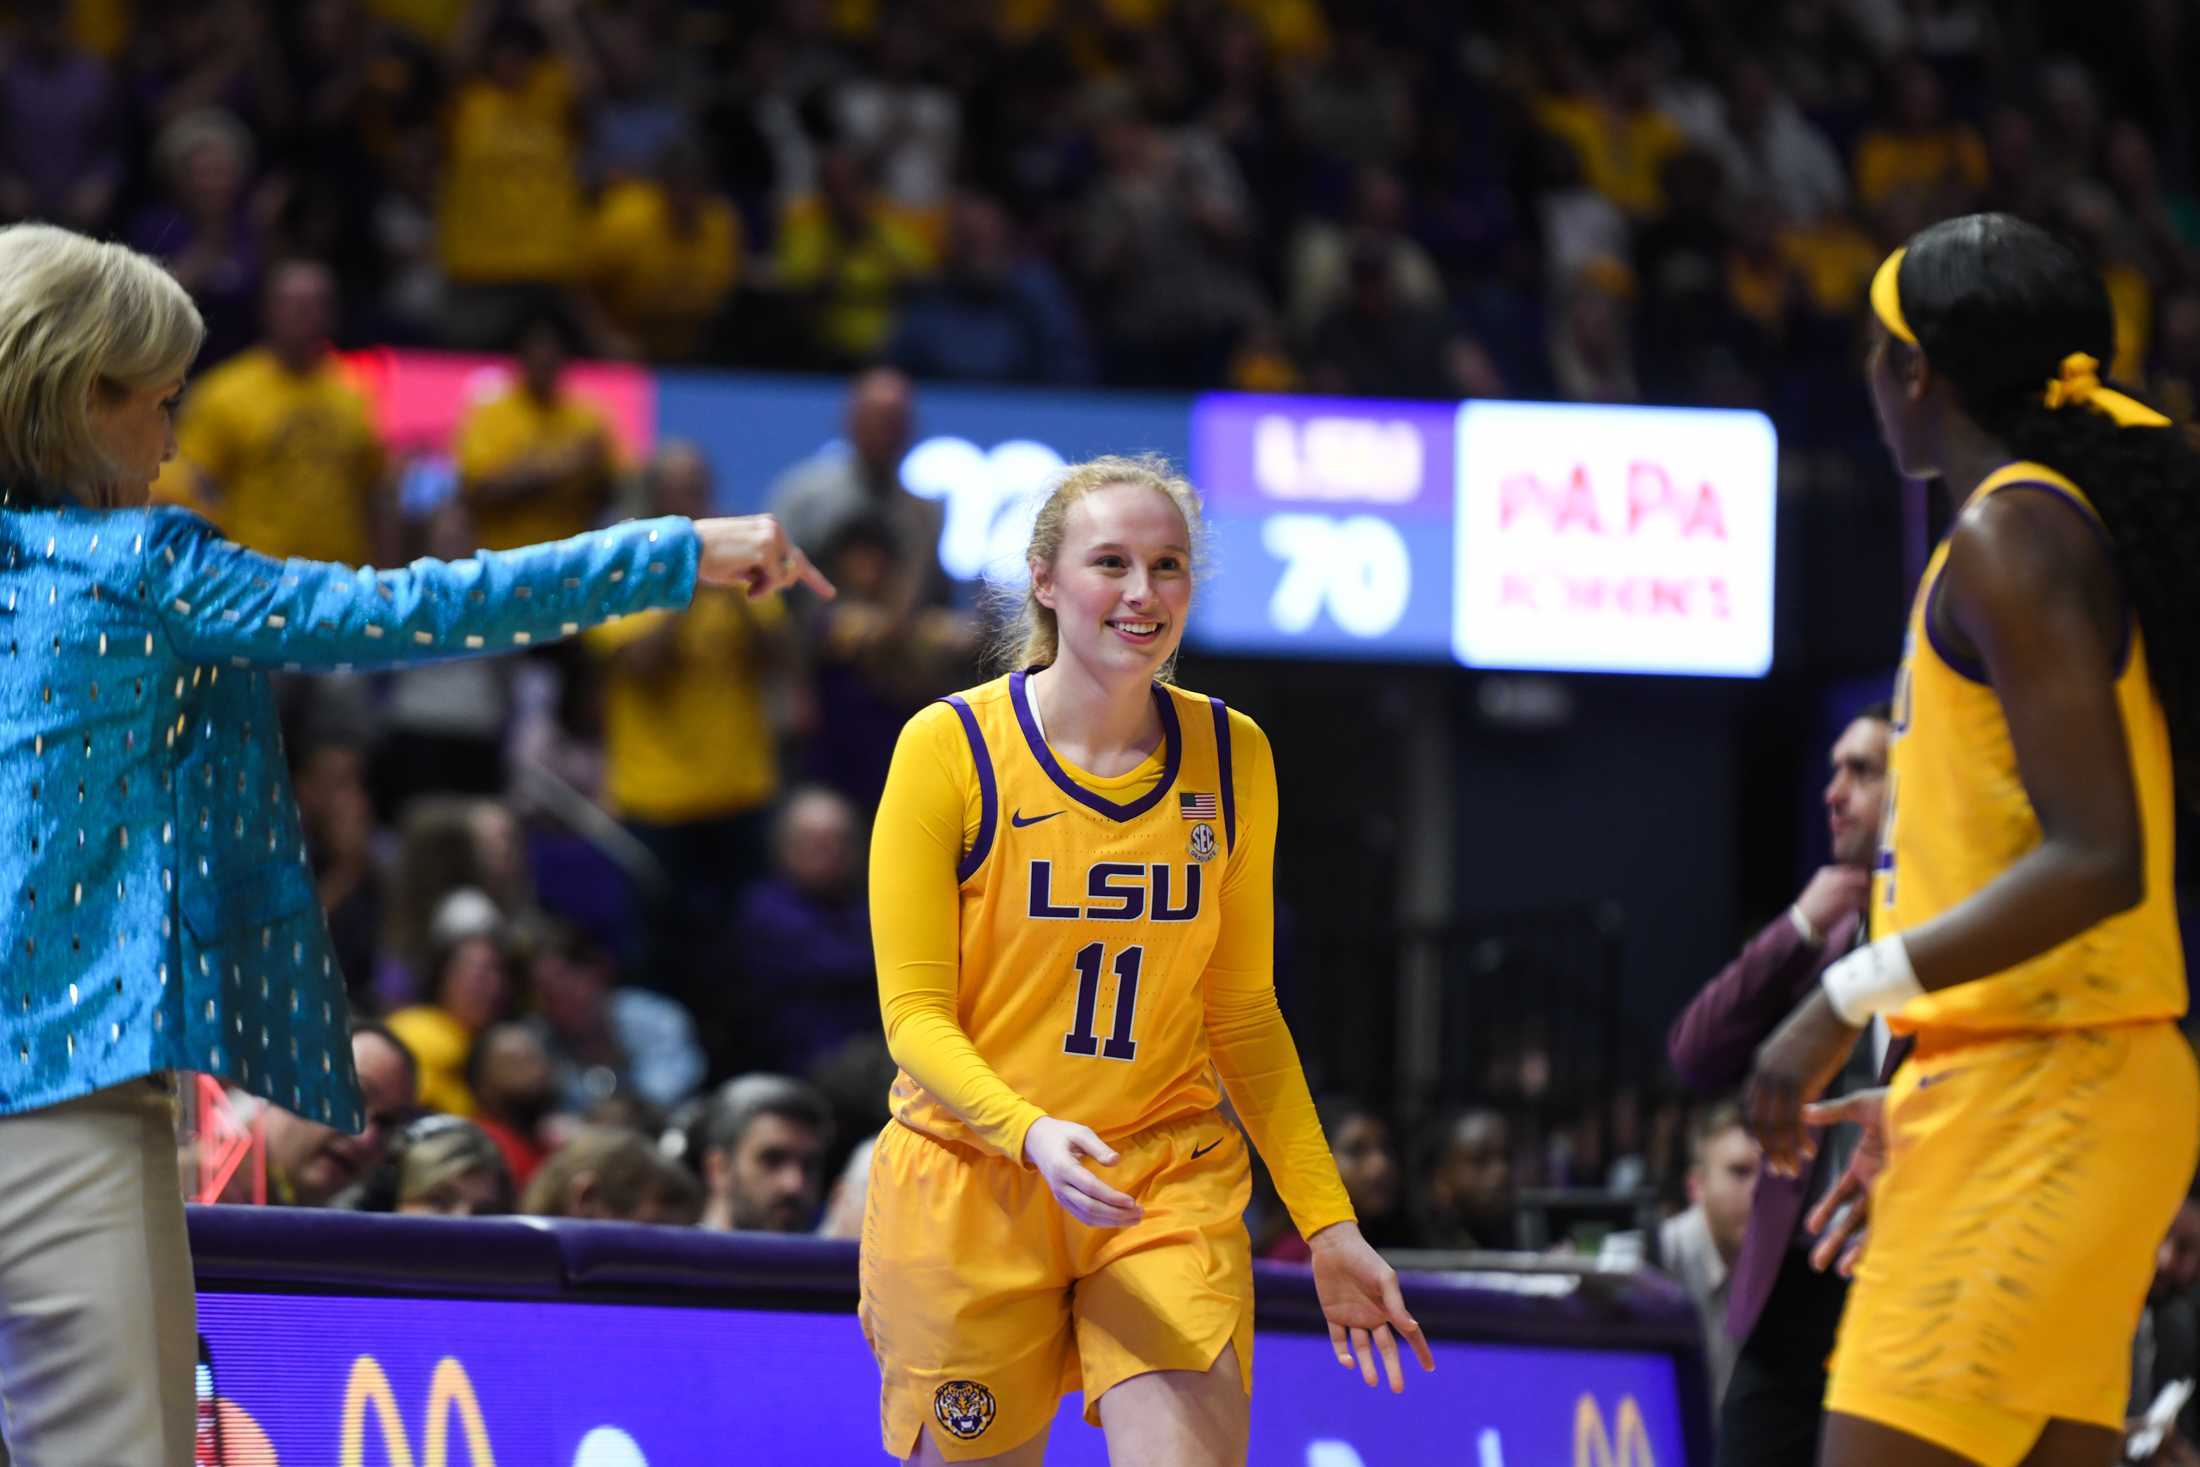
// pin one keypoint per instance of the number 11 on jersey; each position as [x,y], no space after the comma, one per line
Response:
[1091,959]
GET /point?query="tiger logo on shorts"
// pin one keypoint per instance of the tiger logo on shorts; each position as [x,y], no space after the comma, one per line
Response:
[964,1407]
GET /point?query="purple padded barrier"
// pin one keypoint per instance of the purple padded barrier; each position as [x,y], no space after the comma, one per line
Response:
[729,1283]
[558,1258]
[1619,1311]
[352,1252]
[631,1261]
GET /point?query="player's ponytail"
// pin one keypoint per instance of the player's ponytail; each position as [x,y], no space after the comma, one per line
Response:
[2018,326]
[1029,636]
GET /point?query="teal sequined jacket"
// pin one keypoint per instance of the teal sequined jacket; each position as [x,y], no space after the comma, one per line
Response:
[159,911]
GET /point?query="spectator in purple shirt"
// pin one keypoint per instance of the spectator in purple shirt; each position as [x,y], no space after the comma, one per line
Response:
[1781,1310]
[996,313]
[877,654]
[804,935]
[206,227]
[60,126]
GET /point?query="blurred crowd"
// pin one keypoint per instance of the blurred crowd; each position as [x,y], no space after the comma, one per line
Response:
[1612,200]
[1602,199]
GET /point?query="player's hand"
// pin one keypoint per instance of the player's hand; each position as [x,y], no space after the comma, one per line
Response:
[1360,1299]
[2176,1452]
[1834,893]
[752,552]
[1842,1218]
[1057,1151]
[1793,1066]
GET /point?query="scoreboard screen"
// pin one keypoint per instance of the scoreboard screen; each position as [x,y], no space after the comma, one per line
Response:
[1532,536]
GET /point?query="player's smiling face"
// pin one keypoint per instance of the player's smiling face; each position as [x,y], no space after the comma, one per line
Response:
[1122,582]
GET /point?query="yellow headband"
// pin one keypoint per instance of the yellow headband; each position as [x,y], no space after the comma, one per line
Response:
[1887,298]
[2078,384]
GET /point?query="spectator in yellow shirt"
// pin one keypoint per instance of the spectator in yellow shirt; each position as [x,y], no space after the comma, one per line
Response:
[1835,256]
[535,462]
[1919,151]
[690,756]
[433,21]
[278,447]
[1764,286]
[664,253]
[846,249]
[510,217]
[470,988]
[2089,219]
[1622,137]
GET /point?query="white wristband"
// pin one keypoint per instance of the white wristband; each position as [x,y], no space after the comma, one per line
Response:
[1811,936]
[1872,980]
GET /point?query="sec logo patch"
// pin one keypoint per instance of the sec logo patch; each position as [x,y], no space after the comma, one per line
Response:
[964,1408]
[1203,842]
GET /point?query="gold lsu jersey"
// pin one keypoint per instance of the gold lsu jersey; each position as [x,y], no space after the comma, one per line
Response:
[1088,909]
[1958,816]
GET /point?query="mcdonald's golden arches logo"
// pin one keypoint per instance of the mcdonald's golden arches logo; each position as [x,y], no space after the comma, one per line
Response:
[1626,1445]
[449,1389]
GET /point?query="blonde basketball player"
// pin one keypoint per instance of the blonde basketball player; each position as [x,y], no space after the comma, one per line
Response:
[2043,1132]
[1070,899]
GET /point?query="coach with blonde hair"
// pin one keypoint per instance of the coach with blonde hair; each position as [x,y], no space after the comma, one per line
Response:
[159,915]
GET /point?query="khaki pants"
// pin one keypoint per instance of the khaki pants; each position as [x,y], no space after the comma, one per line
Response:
[98,1320]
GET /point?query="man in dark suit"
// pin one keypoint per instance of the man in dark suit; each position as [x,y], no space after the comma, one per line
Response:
[2168,1346]
[1782,1310]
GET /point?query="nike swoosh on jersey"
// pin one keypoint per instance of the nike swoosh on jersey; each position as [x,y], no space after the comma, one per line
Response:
[1019,822]
[1200,1151]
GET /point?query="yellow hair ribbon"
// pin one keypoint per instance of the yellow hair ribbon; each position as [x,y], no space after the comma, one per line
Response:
[1887,297]
[2078,384]
[2075,385]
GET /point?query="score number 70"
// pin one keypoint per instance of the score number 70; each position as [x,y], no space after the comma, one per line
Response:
[1356,567]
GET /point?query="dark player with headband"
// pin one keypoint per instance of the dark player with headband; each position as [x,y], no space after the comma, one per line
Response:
[2024,929]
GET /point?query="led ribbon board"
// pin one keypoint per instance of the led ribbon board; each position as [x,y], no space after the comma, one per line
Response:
[1533,536]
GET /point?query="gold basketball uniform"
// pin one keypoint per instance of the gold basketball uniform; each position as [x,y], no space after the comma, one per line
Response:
[2044,1131]
[1053,943]
[1087,921]
[1958,816]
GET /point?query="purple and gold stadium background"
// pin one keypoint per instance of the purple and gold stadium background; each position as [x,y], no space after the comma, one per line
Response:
[338,1340]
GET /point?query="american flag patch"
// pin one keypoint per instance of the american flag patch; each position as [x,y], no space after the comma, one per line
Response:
[1198,807]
